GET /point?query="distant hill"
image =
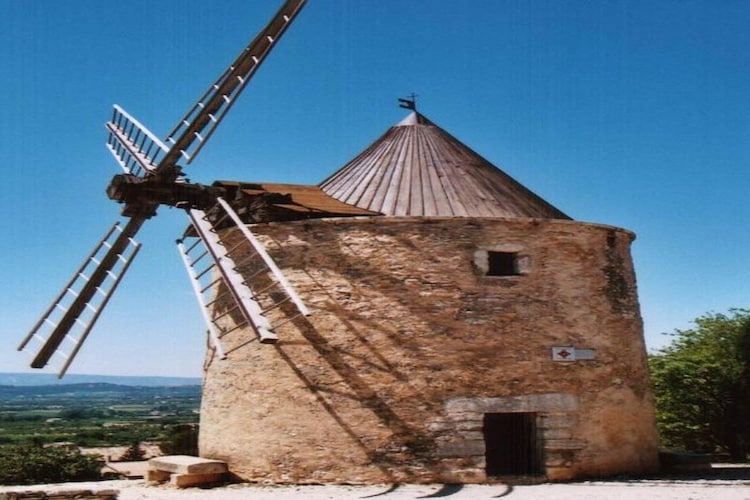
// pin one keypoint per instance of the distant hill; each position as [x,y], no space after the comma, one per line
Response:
[31,379]
[95,391]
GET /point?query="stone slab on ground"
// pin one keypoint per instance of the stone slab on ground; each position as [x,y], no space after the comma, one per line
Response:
[185,464]
[184,471]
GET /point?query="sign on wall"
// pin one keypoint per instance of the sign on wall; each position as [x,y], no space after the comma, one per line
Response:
[570,353]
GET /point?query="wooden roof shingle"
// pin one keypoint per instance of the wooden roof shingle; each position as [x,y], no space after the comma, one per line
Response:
[418,169]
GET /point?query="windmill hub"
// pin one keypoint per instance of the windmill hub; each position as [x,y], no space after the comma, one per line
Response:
[142,195]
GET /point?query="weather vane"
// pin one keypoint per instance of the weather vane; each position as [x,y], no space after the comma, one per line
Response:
[408,102]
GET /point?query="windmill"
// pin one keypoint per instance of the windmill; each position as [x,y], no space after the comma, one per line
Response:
[153,177]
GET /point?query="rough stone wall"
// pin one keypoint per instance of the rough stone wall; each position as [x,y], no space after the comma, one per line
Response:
[409,344]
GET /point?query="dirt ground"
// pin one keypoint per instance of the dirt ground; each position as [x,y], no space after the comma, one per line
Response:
[728,482]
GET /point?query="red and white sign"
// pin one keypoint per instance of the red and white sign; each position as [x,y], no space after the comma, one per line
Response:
[563,353]
[570,353]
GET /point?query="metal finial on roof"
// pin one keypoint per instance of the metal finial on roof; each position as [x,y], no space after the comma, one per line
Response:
[408,102]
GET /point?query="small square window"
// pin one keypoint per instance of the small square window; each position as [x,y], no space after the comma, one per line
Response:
[502,264]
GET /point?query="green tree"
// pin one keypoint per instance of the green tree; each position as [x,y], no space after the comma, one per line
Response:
[702,386]
[181,440]
[35,464]
[134,453]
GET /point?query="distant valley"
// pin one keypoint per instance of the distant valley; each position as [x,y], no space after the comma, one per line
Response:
[32,379]
[98,411]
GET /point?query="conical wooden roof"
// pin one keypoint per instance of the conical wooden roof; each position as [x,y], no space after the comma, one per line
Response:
[418,169]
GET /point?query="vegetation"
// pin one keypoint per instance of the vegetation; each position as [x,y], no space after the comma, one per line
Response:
[134,453]
[182,440]
[702,386]
[94,415]
[42,427]
[33,463]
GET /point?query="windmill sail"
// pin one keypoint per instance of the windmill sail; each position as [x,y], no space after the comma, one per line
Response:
[193,130]
[67,322]
[152,177]
[219,266]
[134,147]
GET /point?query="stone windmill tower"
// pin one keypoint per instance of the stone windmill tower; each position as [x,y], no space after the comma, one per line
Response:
[457,328]
[418,316]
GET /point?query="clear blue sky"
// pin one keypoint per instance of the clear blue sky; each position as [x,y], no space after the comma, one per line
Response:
[629,113]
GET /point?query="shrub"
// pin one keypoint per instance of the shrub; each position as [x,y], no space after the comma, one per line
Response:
[34,464]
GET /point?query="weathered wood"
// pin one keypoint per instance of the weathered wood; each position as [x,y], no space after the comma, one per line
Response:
[418,169]
[269,202]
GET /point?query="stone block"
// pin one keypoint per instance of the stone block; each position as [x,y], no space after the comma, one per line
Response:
[460,449]
[188,480]
[559,421]
[556,434]
[560,473]
[440,426]
[558,460]
[554,402]
[184,464]
[564,444]
[477,435]
[158,476]
[471,425]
